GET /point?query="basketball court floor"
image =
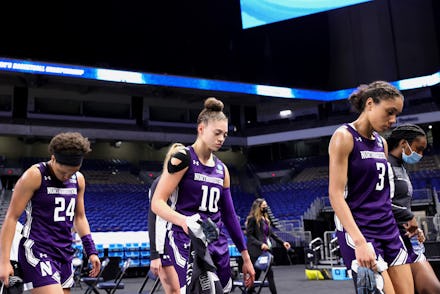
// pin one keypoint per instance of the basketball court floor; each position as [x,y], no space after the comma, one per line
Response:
[288,278]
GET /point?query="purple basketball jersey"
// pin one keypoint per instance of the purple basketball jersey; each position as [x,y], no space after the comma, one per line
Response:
[200,189]
[50,214]
[368,187]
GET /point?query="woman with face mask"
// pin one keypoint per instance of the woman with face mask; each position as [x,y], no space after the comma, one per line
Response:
[406,144]
[259,234]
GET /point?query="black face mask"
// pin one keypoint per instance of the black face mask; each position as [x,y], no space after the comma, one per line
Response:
[264,210]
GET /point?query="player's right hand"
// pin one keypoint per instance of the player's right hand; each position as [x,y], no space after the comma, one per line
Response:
[156,266]
[6,270]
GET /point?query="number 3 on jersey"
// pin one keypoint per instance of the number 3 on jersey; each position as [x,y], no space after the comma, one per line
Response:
[210,197]
[380,166]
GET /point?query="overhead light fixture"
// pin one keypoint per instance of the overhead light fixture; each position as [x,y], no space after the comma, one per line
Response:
[285,113]
[116,144]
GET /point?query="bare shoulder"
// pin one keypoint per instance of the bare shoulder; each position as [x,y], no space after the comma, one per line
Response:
[341,132]
[30,178]
[385,145]
[79,175]
[384,141]
[341,140]
[225,167]
[32,172]
[80,178]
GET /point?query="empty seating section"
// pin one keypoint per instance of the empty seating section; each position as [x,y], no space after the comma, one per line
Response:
[150,165]
[242,202]
[106,165]
[289,201]
[312,173]
[117,207]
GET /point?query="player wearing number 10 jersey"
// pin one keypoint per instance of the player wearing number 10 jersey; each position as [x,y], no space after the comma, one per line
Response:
[203,186]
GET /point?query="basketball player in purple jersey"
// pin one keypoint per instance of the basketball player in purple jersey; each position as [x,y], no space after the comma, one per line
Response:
[203,185]
[53,195]
[359,189]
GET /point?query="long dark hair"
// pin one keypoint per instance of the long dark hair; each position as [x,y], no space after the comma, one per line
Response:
[378,91]
[256,211]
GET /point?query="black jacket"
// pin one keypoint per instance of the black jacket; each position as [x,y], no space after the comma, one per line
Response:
[255,237]
[201,272]
[403,190]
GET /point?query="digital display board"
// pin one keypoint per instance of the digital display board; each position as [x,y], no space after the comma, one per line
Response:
[261,12]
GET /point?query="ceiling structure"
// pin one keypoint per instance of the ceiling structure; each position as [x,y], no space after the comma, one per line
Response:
[325,51]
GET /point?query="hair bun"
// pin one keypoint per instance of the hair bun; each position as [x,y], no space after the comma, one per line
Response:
[213,104]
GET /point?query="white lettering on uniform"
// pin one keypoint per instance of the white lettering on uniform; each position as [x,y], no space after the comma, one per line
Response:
[372,154]
[45,268]
[204,178]
[61,191]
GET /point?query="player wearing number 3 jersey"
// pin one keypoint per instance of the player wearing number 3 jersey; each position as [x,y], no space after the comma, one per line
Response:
[203,186]
[359,190]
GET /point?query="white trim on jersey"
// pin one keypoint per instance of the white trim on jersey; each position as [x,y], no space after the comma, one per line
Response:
[69,282]
[28,224]
[30,257]
[16,242]
[391,179]
[402,257]
[228,287]
[179,259]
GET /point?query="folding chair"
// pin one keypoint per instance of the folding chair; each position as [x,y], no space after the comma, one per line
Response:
[156,283]
[92,281]
[111,286]
[263,263]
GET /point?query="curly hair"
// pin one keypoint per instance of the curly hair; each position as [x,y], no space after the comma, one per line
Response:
[69,143]
[378,91]
[213,111]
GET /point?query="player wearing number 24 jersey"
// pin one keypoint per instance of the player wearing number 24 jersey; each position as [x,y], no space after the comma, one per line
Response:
[52,194]
[49,214]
